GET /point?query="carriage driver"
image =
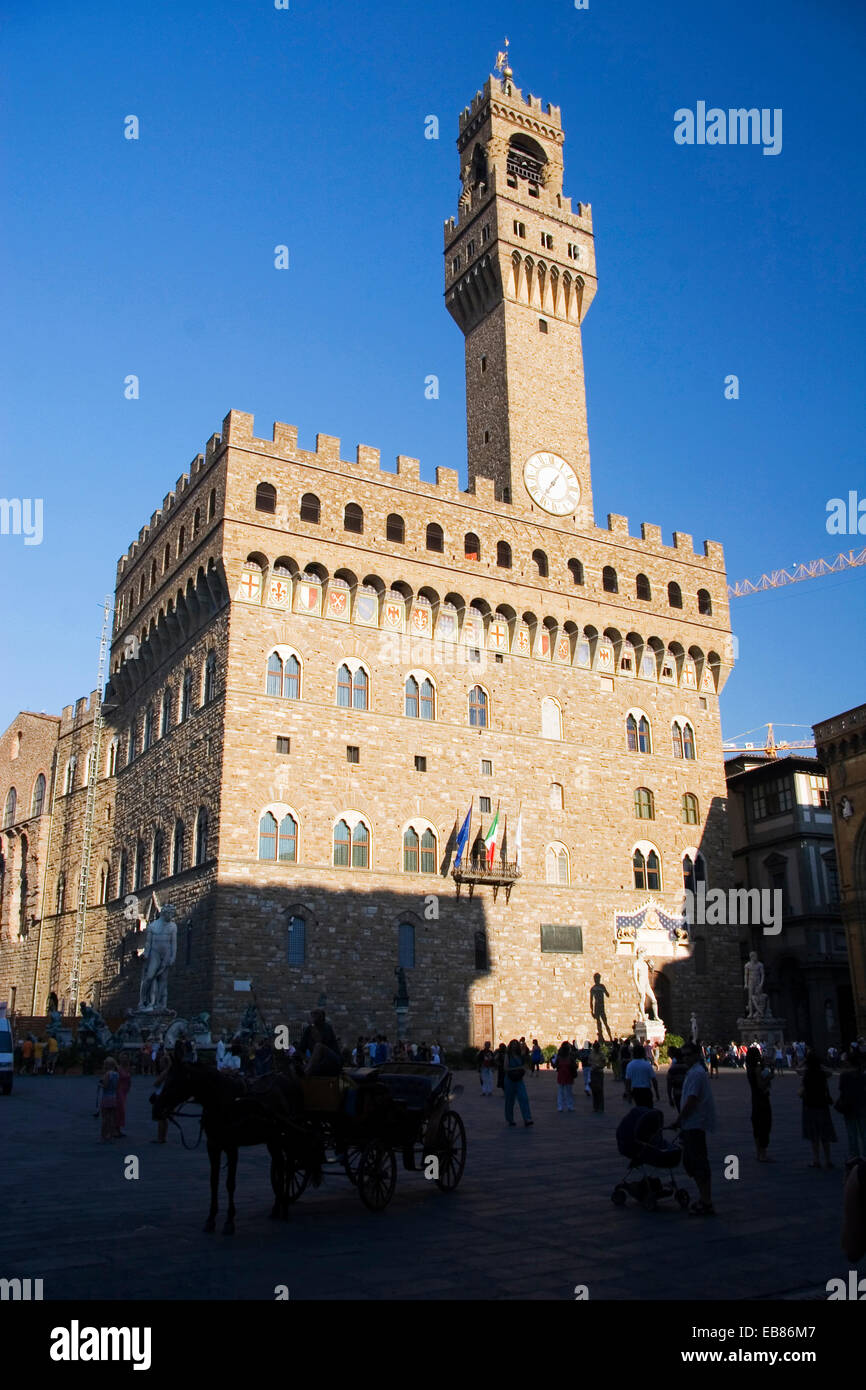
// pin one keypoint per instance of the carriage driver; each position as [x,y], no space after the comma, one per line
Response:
[320,1045]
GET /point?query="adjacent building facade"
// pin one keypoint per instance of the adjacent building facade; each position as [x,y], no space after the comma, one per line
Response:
[782,841]
[841,744]
[319,665]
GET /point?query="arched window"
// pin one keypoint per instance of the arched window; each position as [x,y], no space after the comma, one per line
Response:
[419,851]
[266,497]
[477,708]
[297,940]
[556,796]
[540,562]
[156,856]
[39,793]
[284,677]
[311,510]
[9,808]
[675,597]
[69,782]
[165,712]
[166,558]
[209,682]
[152,573]
[690,810]
[406,946]
[102,891]
[211,505]
[503,555]
[353,686]
[196,521]
[556,866]
[353,518]
[181,541]
[177,850]
[694,872]
[683,739]
[411,851]
[642,587]
[185,697]
[268,836]
[361,846]
[435,537]
[60,898]
[342,841]
[644,804]
[705,603]
[647,869]
[287,841]
[395,529]
[471,546]
[609,581]
[122,874]
[638,734]
[147,730]
[576,570]
[140,867]
[420,698]
[551,719]
[201,833]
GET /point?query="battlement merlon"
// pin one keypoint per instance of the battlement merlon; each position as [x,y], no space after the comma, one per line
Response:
[79,715]
[498,89]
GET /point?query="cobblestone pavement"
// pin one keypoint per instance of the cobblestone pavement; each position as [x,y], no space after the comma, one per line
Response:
[532,1217]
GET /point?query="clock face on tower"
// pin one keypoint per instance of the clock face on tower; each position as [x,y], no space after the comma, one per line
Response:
[552,483]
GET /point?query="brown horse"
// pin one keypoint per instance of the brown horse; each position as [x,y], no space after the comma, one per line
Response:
[237,1113]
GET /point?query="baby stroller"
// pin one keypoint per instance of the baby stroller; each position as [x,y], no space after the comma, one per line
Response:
[651,1161]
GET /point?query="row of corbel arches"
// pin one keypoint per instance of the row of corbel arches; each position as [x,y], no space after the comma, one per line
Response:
[671,659]
[531,281]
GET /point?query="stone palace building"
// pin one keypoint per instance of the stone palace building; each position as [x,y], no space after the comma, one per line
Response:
[319,665]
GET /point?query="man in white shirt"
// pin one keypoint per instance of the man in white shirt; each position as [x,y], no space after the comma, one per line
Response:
[696,1119]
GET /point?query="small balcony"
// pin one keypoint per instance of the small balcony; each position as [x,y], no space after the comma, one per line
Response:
[501,874]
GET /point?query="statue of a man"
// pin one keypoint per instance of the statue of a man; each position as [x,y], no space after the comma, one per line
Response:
[160,950]
[753,983]
[693,1023]
[597,995]
[640,970]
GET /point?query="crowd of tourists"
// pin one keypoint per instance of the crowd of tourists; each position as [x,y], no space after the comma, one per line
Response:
[33,1056]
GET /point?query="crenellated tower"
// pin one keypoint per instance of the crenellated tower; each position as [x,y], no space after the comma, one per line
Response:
[519,278]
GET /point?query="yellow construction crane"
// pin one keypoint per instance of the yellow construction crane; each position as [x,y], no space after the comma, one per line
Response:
[813,569]
[769,746]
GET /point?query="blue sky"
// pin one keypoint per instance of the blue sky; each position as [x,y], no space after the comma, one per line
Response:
[306,127]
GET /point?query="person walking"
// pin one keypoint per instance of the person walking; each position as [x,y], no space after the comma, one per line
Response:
[51,1051]
[566,1072]
[677,1072]
[597,1064]
[817,1120]
[124,1081]
[515,1086]
[486,1069]
[536,1056]
[108,1100]
[614,1059]
[696,1119]
[640,1079]
[760,1076]
[852,1100]
[585,1065]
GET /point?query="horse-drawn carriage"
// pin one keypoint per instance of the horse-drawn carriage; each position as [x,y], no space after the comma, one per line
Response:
[365,1118]
[353,1125]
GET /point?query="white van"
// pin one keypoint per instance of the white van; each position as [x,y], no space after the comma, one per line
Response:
[6,1053]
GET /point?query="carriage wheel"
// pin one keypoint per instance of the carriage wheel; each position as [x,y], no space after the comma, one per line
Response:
[450,1151]
[352,1162]
[376,1175]
[296,1180]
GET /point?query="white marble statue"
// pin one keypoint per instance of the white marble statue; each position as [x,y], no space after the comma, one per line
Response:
[640,971]
[160,950]
[693,1023]
[753,983]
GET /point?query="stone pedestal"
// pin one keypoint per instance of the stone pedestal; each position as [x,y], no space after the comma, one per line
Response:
[762,1030]
[143,1025]
[650,1030]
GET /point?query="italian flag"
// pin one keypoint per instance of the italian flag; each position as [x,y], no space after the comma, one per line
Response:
[490,840]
